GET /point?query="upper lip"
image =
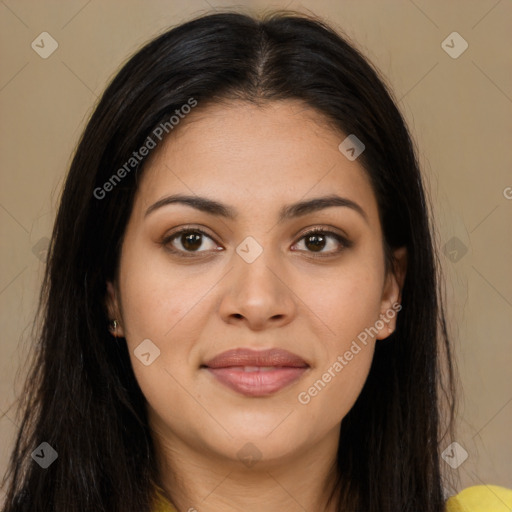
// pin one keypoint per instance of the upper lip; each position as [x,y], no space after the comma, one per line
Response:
[249,357]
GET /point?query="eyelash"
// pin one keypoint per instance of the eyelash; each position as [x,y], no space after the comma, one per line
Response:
[345,243]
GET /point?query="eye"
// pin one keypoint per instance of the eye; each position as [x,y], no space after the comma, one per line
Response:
[190,240]
[317,239]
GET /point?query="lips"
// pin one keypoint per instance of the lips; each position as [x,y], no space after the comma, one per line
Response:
[256,373]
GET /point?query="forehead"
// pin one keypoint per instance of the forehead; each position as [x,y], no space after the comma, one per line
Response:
[255,156]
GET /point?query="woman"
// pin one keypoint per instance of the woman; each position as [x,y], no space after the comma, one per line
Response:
[241,309]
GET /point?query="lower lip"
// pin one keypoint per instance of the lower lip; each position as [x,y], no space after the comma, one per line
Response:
[258,383]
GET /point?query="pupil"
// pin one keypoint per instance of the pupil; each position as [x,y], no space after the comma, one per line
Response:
[317,241]
[192,241]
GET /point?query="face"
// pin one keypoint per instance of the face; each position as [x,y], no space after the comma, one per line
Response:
[303,308]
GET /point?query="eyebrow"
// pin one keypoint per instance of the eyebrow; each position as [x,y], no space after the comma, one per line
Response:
[287,212]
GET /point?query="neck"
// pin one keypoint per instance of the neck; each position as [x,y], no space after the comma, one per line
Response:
[200,480]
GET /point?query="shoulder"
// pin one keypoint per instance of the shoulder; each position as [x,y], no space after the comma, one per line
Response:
[481,498]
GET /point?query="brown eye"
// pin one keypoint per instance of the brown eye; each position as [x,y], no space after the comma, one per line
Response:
[191,241]
[187,240]
[316,240]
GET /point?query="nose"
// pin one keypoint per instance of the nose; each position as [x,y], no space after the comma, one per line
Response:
[257,294]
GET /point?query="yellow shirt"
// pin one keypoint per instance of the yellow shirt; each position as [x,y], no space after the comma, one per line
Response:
[478,498]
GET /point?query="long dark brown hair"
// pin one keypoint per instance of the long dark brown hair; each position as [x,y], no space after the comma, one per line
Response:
[81,396]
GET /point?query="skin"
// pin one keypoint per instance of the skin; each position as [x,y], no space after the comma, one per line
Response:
[255,159]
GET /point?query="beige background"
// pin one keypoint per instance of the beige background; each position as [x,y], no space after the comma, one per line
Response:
[459,111]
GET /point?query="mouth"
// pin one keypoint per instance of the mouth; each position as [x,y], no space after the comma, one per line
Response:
[256,373]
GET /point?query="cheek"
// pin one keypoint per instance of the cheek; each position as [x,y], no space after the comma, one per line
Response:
[348,308]
[347,303]
[163,308]
[332,392]
[156,298]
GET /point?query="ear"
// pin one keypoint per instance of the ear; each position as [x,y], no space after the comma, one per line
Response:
[113,309]
[392,293]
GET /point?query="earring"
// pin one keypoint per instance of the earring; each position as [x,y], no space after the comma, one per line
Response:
[113,328]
